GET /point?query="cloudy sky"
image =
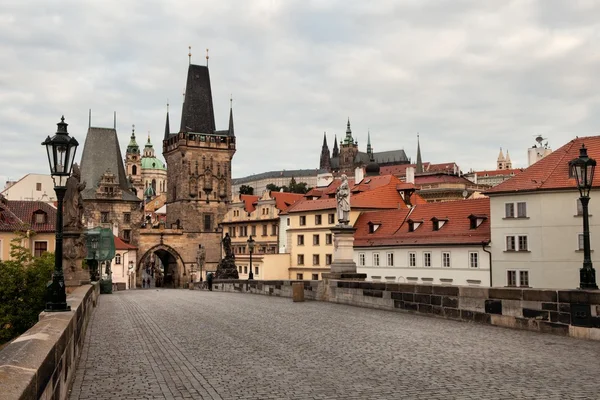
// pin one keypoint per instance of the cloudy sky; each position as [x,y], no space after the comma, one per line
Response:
[469,76]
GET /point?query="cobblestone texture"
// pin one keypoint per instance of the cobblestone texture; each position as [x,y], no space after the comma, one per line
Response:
[180,344]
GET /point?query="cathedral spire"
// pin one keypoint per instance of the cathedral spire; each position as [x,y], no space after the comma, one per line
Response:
[336,150]
[419,169]
[369,148]
[348,139]
[325,162]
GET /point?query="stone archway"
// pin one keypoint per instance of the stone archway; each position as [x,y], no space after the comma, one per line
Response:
[173,271]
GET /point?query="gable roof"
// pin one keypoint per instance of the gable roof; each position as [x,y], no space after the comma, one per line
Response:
[101,152]
[17,215]
[552,171]
[394,229]
[284,200]
[249,202]
[375,192]
[121,245]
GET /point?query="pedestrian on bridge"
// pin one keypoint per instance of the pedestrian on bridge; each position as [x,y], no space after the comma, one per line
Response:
[209,279]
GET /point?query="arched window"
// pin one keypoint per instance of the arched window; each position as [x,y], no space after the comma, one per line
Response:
[154,185]
[118,259]
[134,170]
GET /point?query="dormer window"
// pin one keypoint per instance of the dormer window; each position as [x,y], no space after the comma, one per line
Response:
[413,225]
[40,217]
[373,226]
[438,223]
[477,220]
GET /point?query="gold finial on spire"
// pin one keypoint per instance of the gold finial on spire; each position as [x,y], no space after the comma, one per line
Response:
[148,135]
[190,54]
[133,128]
[207,57]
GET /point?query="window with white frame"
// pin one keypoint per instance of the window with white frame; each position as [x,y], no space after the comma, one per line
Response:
[517,278]
[446,259]
[376,259]
[361,259]
[473,259]
[579,207]
[427,259]
[521,209]
[118,259]
[580,241]
[412,259]
[390,259]
[509,210]
[517,243]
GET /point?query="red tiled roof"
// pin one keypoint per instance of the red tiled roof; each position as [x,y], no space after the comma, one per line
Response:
[249,202]
[440,178]
[552,171]
[121,245]
[457,229]
[443,167]
[400,170]
[498,172]
[19,214]
[283,200]
[375,192]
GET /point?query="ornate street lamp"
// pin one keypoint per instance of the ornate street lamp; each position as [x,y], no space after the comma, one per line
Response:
[583,170]
[61,149]
[251,250]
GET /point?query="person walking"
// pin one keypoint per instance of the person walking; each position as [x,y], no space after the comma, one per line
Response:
[209,280]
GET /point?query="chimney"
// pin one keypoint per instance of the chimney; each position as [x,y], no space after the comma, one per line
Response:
[410,175]
[359,175]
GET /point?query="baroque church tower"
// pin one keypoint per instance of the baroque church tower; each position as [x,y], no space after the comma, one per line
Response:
[198,159]
[133,165]
[348,152]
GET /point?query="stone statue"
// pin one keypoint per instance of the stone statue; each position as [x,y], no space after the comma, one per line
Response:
[342,196]
[227,246]
[201,256]
[73,205]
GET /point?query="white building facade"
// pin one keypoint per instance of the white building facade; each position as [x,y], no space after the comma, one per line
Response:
[32,187]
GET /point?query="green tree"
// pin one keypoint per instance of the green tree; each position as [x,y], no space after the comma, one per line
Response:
[245,189]
[273,187]
[23,282]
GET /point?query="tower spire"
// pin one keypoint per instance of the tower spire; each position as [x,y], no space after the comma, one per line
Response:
[369,148]
[167,127]
[207,57]
[325,161]
[336,150]
[419,169]
[190,55]
[231,131]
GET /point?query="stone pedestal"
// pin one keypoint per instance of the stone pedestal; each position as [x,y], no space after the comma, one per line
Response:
[297,292]
[74,252]
[343,265]
[227,269]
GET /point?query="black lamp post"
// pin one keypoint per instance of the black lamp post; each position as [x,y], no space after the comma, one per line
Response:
[61,150]
[251,250]
[583,170]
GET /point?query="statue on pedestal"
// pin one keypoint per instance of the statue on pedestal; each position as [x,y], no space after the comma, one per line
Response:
[342,196]
[227,268]
[73,205]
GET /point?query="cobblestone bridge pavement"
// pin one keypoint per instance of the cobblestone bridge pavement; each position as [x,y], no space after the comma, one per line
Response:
[182,344]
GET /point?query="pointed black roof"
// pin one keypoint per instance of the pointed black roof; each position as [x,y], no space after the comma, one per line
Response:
[336,150]
[167,128]
[198,114]
[419,169]
[231,132]
[101,152]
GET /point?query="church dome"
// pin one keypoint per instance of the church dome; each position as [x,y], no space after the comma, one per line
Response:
[149,192]
[152,163]
[372,169]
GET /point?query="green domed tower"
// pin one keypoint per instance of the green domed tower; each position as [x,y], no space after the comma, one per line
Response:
[133,164]
[154,172]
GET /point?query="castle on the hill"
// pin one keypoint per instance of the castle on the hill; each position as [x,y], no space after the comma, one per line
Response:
[346,158]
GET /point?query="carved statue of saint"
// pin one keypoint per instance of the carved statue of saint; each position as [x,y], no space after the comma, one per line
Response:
[227,246]
[342,196]
[73,205]
[201,256]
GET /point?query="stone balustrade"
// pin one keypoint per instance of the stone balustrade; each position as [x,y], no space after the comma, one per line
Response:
[40,363]
[574,313]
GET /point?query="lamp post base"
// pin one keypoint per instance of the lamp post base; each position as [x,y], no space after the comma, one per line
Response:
[55,292]
[587,278]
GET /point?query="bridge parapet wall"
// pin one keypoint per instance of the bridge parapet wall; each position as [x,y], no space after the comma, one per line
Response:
[40,364]
[574,313]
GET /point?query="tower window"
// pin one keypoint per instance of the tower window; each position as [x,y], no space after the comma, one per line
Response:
[134,170]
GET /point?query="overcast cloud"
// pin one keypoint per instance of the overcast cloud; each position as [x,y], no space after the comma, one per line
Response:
[470,76]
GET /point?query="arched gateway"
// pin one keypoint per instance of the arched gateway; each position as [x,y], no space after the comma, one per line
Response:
[165,266]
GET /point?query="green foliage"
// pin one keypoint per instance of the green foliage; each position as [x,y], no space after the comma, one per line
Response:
[245,189]
[293,187]
[273,187]
[22,289]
